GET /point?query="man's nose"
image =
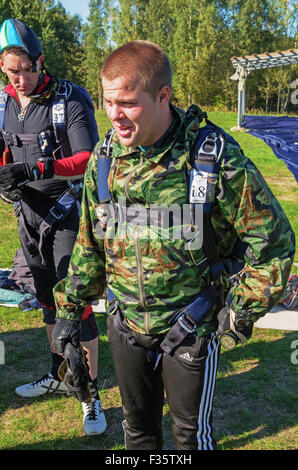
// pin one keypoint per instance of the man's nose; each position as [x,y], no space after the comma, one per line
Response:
[116,112]
[23,78]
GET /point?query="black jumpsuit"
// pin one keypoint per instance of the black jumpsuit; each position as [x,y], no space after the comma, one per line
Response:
[40,196]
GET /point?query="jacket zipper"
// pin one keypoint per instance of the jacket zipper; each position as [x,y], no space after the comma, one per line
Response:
[140,282]
[25,155]
[138,253]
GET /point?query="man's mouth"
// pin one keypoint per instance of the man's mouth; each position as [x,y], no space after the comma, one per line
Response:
[23,89]
[124,131]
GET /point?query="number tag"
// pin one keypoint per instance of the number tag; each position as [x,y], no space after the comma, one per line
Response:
[58,113]
[198,190]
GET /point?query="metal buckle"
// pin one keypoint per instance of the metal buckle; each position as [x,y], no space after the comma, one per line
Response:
[55,215]
[184,326]
[210,138]
[62,89]
[113,307]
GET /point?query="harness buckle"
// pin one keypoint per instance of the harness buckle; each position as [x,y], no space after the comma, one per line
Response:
[55,214]
[64,89]
[211,139]
[184,326]
[113,307]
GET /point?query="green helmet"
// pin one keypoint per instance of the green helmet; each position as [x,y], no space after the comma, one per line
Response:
[15,33]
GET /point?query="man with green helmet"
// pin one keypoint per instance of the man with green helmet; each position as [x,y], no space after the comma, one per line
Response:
[42,156]
[169,206]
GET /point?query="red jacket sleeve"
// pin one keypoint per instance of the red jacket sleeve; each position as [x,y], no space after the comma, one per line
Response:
[73,167]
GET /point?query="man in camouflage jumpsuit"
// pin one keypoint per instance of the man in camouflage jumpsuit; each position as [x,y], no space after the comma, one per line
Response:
[151,276]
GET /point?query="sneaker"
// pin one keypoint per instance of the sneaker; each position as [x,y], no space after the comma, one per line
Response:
[47,384]
[94,418]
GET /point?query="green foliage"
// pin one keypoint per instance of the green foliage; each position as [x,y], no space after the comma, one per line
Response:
[95,48]
[199,37]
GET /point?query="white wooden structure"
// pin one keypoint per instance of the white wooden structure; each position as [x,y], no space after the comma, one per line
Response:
[246,64]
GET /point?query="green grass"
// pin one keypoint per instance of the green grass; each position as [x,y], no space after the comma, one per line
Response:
[255,403]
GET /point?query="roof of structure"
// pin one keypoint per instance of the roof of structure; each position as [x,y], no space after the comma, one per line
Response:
[246,64]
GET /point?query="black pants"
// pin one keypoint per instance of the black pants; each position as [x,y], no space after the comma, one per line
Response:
[187,377]
[58,247]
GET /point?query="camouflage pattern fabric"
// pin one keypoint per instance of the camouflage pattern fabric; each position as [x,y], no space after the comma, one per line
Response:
[153,275]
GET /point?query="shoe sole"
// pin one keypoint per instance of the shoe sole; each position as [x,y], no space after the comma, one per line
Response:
[47,392]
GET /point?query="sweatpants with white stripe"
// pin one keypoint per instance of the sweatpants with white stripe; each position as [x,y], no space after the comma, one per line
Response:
[188,380]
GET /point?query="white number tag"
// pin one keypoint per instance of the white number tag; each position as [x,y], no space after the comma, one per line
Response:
[198,191]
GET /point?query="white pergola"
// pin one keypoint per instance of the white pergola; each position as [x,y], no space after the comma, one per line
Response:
[246,64]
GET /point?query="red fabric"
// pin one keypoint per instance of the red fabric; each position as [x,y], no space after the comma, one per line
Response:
[69,166]
[46,306]
[87,312]
[10,90]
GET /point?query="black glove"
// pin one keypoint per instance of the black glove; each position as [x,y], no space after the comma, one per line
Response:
[14,175]
[74,372]
[12,196]
[233,329]
[65,331]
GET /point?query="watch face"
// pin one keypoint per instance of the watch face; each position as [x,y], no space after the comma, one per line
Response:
[227,341]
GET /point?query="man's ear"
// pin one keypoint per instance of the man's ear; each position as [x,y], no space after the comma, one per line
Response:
[40,61]
[2,66]
[164,95]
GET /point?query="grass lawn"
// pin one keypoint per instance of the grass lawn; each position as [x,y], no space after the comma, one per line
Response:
[255,404]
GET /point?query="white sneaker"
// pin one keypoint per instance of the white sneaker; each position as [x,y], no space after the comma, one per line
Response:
[94,418]
[47,384]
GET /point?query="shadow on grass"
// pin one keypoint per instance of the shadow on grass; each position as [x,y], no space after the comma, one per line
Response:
[256,393]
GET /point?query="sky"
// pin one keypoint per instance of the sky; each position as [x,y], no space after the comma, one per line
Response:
[77,7]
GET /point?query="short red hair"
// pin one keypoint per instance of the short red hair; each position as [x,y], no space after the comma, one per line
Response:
[143,59]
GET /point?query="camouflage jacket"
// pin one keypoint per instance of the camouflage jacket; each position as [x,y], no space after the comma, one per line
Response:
[153,276]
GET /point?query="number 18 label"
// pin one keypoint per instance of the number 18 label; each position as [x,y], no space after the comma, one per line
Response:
[198,191]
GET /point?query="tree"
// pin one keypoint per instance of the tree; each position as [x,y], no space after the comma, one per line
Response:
[59,33]
[96,47]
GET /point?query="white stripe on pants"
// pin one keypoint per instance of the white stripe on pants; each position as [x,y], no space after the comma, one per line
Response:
[204,429]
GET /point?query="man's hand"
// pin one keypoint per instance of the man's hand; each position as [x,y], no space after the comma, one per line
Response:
[65,331]
[14,175]
[11,196]
[233,329]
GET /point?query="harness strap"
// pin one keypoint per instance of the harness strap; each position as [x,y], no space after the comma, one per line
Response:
[59,118]
[19,139]
[58,212]
[3,99]
[187,319]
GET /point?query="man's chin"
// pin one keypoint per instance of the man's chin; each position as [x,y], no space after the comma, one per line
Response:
[126,141]
[24,92]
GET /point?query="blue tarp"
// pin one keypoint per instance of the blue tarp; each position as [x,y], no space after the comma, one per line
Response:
[280,133]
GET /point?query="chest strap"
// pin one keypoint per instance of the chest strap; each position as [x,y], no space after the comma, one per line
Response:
[19,139]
